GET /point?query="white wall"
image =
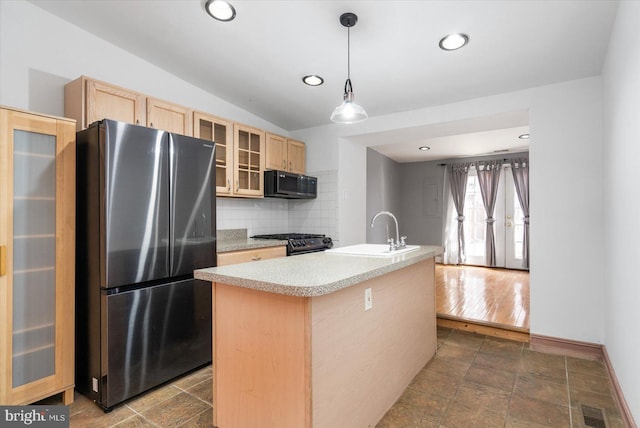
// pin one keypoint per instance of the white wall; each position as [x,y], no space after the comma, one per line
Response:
[40,53]
[621,87]
[567,252]
[352,192]
[567,240]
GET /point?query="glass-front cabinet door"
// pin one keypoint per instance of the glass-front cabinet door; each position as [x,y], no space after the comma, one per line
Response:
[220,131]
[249,161]
[37,212]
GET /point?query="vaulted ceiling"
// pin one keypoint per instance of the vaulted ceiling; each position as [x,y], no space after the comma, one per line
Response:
[257,61]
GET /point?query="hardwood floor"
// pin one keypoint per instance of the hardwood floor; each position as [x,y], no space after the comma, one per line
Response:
[489,297]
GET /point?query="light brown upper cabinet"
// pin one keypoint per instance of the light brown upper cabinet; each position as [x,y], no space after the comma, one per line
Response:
[220,131]
[88,100]
[296,156]
[284,154]
[37,257]
[276,152]
[169,117]
[248,158]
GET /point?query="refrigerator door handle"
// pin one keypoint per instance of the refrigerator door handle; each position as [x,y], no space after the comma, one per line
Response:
[192,197]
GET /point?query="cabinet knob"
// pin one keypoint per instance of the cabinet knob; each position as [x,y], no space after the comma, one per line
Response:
[290,166]
[228,184]
[255,258]
[284,164]
[237,185]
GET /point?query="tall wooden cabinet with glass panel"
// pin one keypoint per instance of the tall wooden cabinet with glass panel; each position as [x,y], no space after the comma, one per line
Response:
[37,260]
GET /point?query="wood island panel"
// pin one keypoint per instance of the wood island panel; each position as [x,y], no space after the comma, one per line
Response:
[321,361]
[260,353]
[362,361]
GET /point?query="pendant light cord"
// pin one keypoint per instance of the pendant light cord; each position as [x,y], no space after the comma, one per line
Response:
[349,53]
[347,85]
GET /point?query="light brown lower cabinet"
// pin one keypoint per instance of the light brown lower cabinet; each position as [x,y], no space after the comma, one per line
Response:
[243,256]
[37,257]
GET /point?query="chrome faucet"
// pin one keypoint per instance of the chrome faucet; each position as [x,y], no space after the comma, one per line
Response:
[400,240]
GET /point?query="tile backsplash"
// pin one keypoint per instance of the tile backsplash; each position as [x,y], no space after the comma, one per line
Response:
[273,215]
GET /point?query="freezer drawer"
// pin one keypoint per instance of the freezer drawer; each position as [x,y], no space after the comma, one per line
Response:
[152,335]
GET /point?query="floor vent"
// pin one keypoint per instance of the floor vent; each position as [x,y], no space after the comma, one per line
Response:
[593,417]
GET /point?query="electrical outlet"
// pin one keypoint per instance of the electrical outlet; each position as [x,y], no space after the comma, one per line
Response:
[368,299]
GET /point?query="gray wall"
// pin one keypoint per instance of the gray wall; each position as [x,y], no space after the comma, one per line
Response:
[383,194]
[421,202]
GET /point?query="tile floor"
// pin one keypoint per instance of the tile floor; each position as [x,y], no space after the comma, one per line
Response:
[480,381]
[184,403]
[473,381]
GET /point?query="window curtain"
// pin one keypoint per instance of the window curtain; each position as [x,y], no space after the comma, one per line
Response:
[449,224]
[457,181]
[488,179]
[520,170]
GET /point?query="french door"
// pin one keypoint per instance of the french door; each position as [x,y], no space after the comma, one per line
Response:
[508,226]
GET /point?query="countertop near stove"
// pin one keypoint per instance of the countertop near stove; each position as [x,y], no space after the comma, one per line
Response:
[226,245]
[237,240]
[314,274]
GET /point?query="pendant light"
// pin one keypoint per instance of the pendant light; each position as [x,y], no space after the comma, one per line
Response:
[348,111]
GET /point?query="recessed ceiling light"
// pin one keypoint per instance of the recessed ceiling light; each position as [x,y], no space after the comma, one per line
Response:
[424,148]
[453,41]
[523,136]
[313,80]
[220,9]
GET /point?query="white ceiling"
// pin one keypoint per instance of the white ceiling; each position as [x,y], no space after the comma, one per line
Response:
[257,61]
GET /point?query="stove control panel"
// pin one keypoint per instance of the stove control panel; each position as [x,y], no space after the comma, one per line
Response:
[308,245]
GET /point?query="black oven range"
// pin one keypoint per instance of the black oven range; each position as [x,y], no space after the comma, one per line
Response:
[301,243]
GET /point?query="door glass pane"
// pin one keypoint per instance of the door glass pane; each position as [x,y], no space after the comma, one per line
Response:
[34,252]
[206,132]
[518,225]
[255,142]
[220,134]
[243,140]
[474,221]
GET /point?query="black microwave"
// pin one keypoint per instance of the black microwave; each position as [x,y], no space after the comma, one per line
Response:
[282,184]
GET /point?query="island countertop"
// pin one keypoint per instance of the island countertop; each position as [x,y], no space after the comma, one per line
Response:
[313,274]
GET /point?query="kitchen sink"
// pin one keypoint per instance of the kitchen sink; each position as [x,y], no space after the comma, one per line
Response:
[371,250]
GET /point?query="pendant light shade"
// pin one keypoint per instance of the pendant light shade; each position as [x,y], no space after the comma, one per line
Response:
[348,111]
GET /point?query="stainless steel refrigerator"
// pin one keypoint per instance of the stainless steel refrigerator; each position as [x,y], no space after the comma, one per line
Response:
[145,220]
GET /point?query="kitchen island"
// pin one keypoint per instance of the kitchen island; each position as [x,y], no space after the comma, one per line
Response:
[295,346]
